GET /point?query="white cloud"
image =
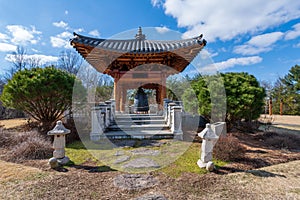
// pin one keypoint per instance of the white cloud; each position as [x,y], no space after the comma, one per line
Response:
[157,3]
[265,39]
[44,59]
[259,44]
[94,33]
[223,20]
[78,30]
[34,50]
[60,24]
[232,62]
[294,33]
[4,47]
[61,40]
[3,37]
[206,54]
[162,30]
[66,12]
[58,42]
[22,35]
[65,34]
[297,45]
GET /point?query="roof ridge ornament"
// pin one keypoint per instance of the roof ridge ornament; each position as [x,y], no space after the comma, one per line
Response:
[140,35]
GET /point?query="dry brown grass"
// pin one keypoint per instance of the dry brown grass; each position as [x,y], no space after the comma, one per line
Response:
[13,123]
[13,172]
[24,146]
[280,141]
[274,182]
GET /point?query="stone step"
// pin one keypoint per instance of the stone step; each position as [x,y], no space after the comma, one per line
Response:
[139,121]
[146,134]
[137,127]
[138,117]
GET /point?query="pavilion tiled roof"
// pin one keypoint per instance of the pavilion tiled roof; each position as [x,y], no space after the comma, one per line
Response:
[136,45]
[110,55]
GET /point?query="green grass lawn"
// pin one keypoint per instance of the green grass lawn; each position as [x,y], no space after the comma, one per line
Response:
[175,163]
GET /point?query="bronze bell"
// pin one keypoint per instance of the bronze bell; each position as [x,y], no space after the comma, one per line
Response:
[141,102]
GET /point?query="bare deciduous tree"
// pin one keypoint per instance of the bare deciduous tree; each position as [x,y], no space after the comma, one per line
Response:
[69,61]
[19,59]
[32,62]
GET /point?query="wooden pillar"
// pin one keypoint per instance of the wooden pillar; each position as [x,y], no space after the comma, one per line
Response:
[163,94]
[123,95]
[157,95]
[281,106]
[270,107]
[117,93]
[163,91]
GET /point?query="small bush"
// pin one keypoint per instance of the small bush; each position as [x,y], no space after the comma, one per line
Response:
[6,139]
[287,141]
[25,146]
[73,136]
[229,149]
[32,148]
[247,126]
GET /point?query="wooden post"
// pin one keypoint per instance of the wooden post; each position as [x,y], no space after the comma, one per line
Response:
[163,94]
[163,88]
[123,98]
[281,106]
[270,106]
[157,96]
[117,95]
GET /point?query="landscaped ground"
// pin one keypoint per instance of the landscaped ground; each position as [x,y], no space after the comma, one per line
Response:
[12,123]
[268,171]
[290,122]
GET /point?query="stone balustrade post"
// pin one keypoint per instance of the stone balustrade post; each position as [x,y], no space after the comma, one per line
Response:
[209,140]
[176,125]
[110,110]
[104,110]
[59,132]
[169,119]
[179,103]
[165,108]
[113,110]
[97,128]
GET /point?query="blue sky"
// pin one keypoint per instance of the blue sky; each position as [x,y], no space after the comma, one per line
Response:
[259,37]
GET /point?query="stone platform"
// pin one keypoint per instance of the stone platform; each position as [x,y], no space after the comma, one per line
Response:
[139,126]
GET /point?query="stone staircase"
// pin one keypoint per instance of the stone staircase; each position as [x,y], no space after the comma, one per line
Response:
[138,126]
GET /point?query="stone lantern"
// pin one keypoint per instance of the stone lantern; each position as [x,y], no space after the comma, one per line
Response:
[59,132]
[209,140]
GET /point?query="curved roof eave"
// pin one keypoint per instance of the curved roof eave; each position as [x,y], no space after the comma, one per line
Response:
[135,45]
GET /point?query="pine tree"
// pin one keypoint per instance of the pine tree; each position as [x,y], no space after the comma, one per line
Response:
[287,89]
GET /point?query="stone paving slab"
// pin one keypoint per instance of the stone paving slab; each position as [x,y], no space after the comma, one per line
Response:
[135,181]
[151,197]
[146,152]
[122,159]
[139,163]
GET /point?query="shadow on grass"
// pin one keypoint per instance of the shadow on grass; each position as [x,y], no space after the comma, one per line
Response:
[256,151]
[263,173]
[61,169]
[93,169]
[248,162]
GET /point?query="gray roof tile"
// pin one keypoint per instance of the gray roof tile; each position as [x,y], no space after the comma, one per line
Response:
[136,45]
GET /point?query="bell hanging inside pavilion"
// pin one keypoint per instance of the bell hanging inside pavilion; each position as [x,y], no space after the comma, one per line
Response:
[141,101]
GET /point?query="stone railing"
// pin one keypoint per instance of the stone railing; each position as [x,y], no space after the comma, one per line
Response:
[153,109]
[173,117]
[102,116]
